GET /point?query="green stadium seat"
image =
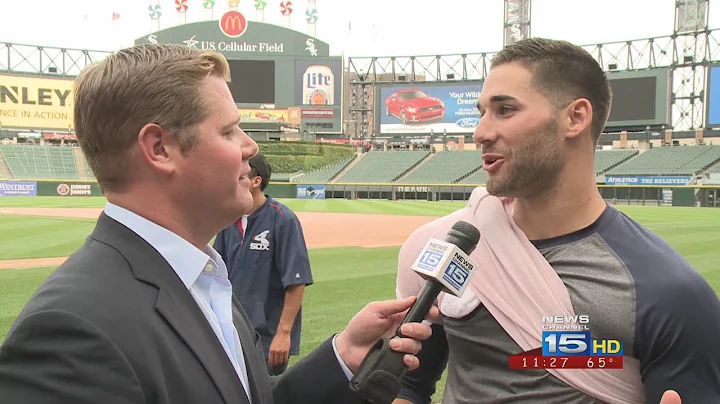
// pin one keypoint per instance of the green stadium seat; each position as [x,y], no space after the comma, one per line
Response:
[25,161]
[669,160]
[382,166]
[323,175]
[445,167]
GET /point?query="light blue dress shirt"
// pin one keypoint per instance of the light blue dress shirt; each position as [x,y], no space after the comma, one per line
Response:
[204,274]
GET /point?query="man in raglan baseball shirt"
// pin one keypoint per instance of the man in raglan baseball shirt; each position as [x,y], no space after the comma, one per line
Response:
[268,266]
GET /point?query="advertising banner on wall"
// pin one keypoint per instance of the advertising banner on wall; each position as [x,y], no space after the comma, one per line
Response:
[68,188]
[36,102]
[18,188]
[318,81]
[712,115]
[421,108]
[274,115]
[310,192]
[640,98]
[647,180]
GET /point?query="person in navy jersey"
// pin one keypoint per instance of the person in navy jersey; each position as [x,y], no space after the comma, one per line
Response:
[269,268]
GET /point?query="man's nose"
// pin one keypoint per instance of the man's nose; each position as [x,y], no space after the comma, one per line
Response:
[484,132]
[250,147]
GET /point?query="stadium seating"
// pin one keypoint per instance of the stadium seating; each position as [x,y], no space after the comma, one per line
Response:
[324,174]
[607,159]
[669,160]
[382,166]
[444,167]
[477,178]
[40,161]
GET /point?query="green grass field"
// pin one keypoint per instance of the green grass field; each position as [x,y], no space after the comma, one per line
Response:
[345,278]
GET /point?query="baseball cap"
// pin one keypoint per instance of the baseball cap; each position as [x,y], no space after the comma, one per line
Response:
[260,165]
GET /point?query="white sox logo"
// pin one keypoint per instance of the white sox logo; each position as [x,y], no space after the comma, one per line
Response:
[261,244]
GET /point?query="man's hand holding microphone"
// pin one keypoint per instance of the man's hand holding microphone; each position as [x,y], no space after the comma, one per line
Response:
[378,361]
[380,320]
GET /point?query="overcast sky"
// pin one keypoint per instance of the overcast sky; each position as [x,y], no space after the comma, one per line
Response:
[352,27]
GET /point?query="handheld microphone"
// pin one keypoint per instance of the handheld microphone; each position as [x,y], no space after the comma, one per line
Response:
[446,266]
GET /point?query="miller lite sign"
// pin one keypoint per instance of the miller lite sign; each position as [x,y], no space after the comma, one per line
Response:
[318,86]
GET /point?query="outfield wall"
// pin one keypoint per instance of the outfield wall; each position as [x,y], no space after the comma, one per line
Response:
[653,195]
[49,188]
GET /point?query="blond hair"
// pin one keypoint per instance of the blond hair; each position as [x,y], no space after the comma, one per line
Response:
[117,96]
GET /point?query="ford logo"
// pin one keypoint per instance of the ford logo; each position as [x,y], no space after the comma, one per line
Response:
[467,122]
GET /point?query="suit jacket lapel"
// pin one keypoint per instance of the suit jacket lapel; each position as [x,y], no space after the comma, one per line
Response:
[260,387]
[175,304]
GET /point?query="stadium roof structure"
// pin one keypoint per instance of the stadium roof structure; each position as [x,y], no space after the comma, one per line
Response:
[687,55]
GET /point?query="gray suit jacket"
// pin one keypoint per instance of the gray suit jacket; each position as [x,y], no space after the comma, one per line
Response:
[115,325]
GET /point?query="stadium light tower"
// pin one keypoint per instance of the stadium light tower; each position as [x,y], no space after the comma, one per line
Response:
[691,17]
[517,21]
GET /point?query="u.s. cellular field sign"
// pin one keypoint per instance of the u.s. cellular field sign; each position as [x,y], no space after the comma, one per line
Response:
[272,68]
[238,38]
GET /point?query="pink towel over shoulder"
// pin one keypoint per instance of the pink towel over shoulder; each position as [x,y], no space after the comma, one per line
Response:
[518,287]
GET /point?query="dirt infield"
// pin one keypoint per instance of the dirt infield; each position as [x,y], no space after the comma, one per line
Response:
[322,230]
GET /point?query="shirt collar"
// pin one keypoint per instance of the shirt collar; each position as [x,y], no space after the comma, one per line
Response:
[261,208]
[185,259]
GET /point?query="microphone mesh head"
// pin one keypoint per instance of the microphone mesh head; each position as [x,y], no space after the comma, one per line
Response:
[468,230]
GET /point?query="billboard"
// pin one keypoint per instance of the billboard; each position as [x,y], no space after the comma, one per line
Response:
[273,115]
[36,102]
[421,108]
[712,89]
[640,98]
[310,191]
[647,180]
[239,38]
[318,81]
[18,188]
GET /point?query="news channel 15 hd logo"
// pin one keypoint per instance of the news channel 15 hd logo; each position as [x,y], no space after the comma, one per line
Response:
[569,336]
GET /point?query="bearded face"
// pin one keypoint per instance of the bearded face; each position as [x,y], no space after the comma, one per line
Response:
[518,133]
[529,166]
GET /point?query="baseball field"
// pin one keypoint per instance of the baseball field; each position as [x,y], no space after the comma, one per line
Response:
[353,248]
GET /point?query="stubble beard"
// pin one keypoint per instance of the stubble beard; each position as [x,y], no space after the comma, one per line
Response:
[532,168]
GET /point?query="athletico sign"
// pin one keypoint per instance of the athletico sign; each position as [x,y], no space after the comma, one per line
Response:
[647,180]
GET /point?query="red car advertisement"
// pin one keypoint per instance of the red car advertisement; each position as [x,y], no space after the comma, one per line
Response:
[414,106]
[425,108]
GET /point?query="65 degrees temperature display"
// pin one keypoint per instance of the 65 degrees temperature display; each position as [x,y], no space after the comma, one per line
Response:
[571,350]
[565,362]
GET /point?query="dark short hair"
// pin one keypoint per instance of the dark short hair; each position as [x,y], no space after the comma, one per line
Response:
[563,72]
[261,167]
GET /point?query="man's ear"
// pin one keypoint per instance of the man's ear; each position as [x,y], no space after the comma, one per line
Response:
[158,148]
[579,116]
[257,182]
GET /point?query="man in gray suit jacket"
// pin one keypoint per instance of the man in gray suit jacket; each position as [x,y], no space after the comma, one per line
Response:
[143,312]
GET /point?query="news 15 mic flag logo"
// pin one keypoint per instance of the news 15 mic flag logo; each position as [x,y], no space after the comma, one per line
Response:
[447,263]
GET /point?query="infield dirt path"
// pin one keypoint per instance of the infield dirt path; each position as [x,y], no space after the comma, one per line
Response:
[322,230]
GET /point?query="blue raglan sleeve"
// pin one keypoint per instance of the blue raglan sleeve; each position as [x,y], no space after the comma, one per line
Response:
[291,253]
[678,340]
[419,385]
